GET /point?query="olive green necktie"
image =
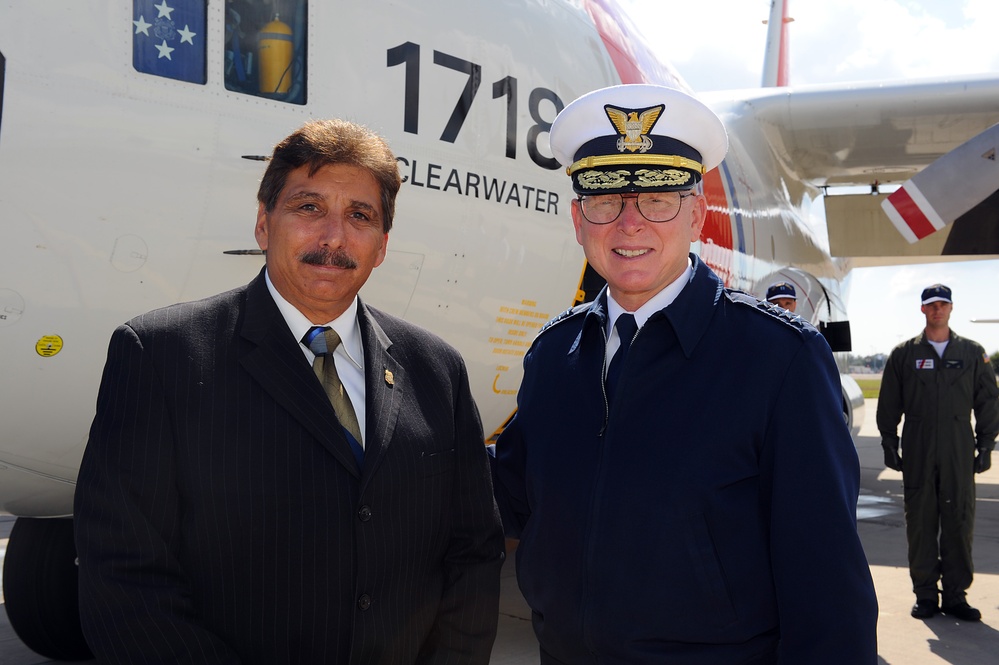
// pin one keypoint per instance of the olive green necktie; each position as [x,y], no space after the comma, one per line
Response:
[323,345]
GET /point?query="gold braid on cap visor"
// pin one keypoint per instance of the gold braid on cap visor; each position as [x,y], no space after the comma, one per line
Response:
[644,160]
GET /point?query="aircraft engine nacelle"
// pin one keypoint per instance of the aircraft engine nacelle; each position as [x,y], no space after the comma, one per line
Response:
[816,304]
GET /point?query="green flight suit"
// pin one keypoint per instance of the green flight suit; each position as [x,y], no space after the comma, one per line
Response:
[937,396]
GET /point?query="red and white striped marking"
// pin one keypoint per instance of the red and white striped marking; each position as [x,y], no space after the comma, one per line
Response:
[911,213]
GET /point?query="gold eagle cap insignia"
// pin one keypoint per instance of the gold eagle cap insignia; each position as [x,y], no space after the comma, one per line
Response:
[633,126]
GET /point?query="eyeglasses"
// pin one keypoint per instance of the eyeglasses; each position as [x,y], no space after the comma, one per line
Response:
[653,206]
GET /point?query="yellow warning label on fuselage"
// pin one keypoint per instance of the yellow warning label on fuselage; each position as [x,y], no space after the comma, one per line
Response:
[48,346]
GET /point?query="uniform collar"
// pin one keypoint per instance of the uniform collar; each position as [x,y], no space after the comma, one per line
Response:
[658,302]
[927,340]
[689,313]
[345,325]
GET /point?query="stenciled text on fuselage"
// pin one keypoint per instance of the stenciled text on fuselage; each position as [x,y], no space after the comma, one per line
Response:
[481,186]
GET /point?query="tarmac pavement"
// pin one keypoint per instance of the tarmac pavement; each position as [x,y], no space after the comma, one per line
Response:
[902,640]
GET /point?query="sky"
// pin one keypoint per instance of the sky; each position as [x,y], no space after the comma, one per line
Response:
[719,44]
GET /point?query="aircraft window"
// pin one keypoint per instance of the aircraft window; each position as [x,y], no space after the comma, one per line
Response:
[168,39]
[265,48]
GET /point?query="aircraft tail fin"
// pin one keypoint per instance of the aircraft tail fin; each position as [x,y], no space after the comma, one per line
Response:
[775,60]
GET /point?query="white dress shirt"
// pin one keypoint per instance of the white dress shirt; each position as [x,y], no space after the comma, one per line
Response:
[657,302]
[349,356]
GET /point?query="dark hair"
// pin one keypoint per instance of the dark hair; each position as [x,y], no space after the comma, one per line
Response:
[320,143]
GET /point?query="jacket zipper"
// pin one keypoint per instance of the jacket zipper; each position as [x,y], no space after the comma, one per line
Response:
[587,635]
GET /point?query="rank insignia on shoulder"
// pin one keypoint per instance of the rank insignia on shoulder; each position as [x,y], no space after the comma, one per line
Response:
[563,316]
[767,307]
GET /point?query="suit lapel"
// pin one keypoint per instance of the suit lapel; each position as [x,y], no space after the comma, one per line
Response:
[278,365]
[385,387]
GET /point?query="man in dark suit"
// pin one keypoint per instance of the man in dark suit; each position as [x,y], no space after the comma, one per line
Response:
[228,510]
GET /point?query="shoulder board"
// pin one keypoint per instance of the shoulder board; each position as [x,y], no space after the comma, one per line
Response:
[765,307]
[567,314]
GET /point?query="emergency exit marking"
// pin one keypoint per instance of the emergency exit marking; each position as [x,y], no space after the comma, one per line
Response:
[48,346]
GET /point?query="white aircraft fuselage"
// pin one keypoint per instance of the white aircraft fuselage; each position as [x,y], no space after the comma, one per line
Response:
[123,191]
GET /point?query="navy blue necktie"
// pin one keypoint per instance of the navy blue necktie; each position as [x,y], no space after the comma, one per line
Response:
[626,328]
[322,341]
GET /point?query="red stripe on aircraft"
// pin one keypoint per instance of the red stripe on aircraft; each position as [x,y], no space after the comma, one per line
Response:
[911,214]
[718,224]
[608,22]
[717,229]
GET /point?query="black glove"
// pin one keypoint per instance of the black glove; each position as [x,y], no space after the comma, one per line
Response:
[983,460]
[892,459]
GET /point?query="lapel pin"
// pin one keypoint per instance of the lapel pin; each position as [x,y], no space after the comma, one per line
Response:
[389,379]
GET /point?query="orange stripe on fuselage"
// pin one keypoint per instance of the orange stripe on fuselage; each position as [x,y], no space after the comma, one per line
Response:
[718,225]
[717,230]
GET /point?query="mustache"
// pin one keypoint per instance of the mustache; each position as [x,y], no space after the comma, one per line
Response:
[336,258]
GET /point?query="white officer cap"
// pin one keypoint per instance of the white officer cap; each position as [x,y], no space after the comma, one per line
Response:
[637,138]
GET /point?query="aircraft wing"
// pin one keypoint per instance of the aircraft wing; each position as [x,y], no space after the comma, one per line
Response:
[856,134]
[874,135]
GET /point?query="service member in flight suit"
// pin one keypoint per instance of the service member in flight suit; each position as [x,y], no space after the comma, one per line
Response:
[695,501]
[936,379]
[783,295]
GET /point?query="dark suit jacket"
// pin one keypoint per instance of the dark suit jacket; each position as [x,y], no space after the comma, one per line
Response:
[221,517]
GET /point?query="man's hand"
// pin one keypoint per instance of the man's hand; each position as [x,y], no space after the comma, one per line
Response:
[983,460]
[892,458]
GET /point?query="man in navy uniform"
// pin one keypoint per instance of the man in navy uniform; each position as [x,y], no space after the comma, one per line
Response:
[783,295]
[936,380]
[682,493]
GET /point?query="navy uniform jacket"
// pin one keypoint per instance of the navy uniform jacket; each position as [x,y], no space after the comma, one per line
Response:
[221,517]
[710,515]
